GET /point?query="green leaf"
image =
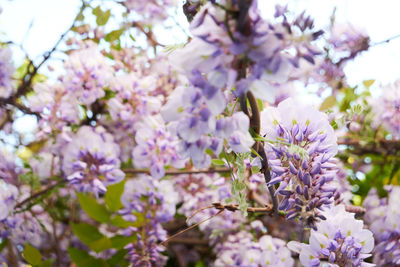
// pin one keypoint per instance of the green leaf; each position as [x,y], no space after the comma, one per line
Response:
[86,233]
[101,16]
[218,162]
[114,35]
[368,83]
[328,103]
[113,196]
[101,244]
[78,256]
[260,104]
[47,263]
[120,241]
[91,236]
[93,209]
[3,243]
[83,259]
[118,258]
[32,255]
[118,221]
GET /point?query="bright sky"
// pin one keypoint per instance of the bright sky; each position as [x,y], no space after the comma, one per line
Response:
[50,18]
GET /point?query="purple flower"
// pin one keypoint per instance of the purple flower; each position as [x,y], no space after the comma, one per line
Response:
[91,160]
[6,71]
[300,151]
[340,241]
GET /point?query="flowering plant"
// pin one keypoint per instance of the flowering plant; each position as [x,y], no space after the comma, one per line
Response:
[201,153]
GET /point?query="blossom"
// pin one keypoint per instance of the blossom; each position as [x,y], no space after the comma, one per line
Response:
[9,171]
[155,202]
[387,110]
[6,71]
[383,216]
[91,160]
[156,147]
[87,73]
[300,149]
[199,190]
[340,241]
[8,197]
[240,249]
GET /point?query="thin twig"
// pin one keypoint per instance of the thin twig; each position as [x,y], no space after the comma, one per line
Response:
[38,194]
[386,40]
[191,227]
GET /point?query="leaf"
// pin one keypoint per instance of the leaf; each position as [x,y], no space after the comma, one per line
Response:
[113,196]
[118,221]
[86,233]
[101,244]
[368,83]
[47,263]
[78,256]
[93,209]
[83,259]
[120,241]
[114,35]
[328,103]
[118,258]
[32,255]
[101,16]
[218,162]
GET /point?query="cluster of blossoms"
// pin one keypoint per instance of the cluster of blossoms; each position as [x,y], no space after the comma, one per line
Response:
[212,63]
[9,171]
[57,105]
[154,201]
[151,11]
[338,241]
[383,216]
[300,149]
[240,249]
[387,110]
[197,191]
[6,71]
[90,160]
[155,148]
[87,73]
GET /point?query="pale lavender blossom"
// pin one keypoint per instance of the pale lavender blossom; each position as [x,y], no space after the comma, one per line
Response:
[6,71]
[300,147]
[387,109]
[87,73]
[156,148]
[155,201]
[91,160]
[240,249]
[340,240]
[9,170]
[383,216]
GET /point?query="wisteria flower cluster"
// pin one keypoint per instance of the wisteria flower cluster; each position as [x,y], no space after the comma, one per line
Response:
[383,217]
[340,241]
[205,153]
[301,146]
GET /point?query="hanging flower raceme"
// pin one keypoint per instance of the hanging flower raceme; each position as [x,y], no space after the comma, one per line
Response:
[6,71]
[338,241]
[240,249]
[300,150]
[91,160]
[154,202]
[383,216]
[387,109]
